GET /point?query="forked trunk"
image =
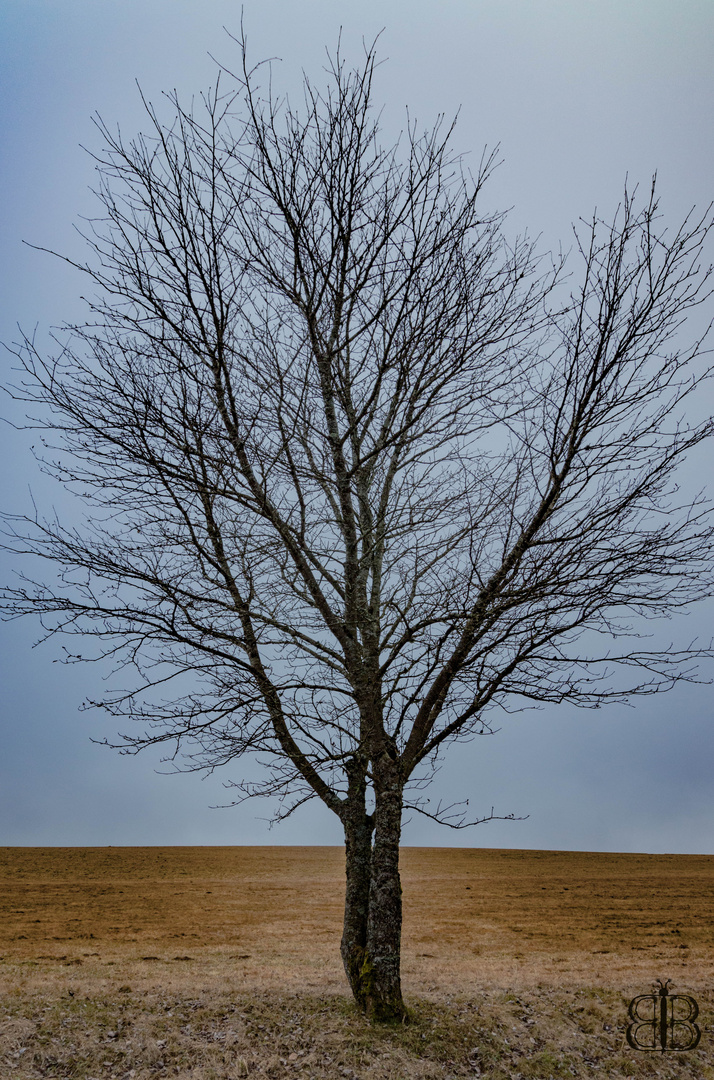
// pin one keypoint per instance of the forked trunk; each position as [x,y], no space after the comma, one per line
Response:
[371,942]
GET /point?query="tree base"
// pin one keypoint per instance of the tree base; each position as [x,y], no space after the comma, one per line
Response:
[380,992]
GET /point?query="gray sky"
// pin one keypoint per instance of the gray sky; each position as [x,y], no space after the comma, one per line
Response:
[578,93]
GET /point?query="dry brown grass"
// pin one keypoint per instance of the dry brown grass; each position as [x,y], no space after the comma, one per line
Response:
[215,963]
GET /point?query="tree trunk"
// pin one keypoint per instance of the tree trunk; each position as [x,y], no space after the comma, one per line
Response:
[381,978]
[358,827]
[371,939]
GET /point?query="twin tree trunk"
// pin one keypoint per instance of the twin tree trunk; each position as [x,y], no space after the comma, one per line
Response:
[371,938]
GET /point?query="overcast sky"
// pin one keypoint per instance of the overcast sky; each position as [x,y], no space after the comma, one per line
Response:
[579,94]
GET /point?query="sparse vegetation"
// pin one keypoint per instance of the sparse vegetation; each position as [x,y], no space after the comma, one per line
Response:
[218,1035]
[219,963]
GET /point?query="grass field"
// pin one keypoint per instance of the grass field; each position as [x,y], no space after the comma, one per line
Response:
[216,963]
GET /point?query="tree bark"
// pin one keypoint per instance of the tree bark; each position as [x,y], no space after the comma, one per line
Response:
[371,938]
[358,826]
[381,977]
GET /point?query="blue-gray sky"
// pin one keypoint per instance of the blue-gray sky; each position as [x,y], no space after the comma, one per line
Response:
[578,94]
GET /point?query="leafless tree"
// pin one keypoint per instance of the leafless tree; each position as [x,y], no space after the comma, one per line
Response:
[356,470]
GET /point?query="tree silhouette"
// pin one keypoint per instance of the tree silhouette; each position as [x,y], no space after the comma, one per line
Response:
[356,469]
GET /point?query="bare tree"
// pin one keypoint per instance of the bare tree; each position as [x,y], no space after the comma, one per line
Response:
[357,470]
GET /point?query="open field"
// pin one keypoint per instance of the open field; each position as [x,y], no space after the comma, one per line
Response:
[215,963]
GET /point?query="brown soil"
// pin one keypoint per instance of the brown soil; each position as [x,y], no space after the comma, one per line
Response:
[207,931]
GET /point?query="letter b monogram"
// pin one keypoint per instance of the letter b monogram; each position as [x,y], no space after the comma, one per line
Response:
[663,1021]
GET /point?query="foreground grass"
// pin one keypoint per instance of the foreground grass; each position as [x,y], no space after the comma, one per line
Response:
[141,1034]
